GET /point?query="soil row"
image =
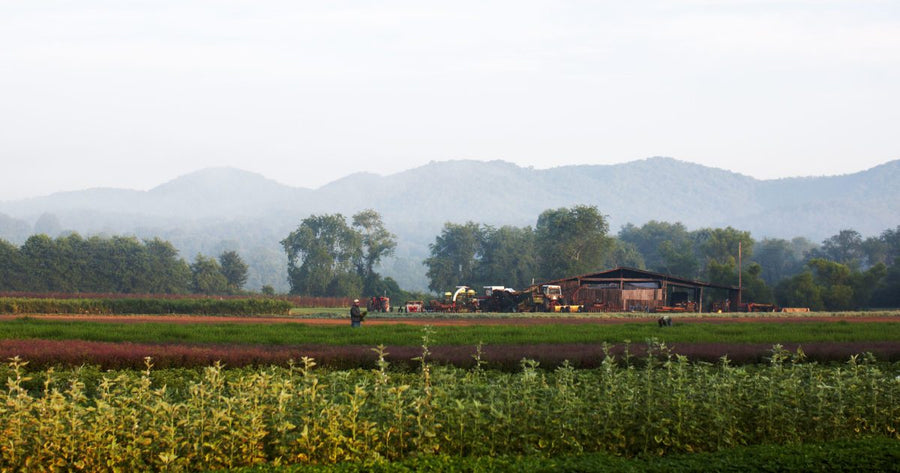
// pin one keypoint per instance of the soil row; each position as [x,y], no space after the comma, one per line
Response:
[120,355]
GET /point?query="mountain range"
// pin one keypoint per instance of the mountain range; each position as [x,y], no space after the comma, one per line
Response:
[219,209]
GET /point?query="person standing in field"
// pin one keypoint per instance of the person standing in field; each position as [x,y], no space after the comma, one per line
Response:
[356,315]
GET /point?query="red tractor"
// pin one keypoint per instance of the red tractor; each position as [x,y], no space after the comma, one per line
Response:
[379,304]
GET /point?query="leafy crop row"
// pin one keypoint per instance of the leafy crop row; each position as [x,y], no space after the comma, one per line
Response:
[303,415]
[409,334]
[866,454]
[196,306]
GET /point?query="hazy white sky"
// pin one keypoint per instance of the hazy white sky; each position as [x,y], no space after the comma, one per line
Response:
[130,94]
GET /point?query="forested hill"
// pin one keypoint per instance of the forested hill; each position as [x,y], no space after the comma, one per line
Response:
[222,208]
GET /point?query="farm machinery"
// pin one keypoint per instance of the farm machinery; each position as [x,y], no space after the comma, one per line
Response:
[378,304]
[538,298]
[463,299]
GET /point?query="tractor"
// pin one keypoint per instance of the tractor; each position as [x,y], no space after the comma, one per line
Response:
[378,304]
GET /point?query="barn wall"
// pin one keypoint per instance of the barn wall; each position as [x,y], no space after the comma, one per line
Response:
[617,299]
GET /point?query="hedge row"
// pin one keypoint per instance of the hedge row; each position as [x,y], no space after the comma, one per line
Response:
[248,306]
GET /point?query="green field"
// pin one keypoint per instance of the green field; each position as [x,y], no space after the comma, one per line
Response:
[411,335]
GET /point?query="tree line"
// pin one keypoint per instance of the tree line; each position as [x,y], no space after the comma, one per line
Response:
[117,264]
[329,256]
[844,272]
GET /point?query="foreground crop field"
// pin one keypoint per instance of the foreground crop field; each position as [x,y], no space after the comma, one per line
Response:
[216,418]
[233,392]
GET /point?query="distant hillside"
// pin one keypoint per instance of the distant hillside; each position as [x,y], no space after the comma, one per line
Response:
[220,209]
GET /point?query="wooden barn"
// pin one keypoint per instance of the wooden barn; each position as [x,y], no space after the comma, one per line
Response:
[629,289]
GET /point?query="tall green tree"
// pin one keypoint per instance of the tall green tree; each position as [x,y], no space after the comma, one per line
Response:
[455,254]
[664,246]
[887,292]
[624,254]
[12,268]
[377,243]
[42,264]
[128,264]
[207,277]
[508,257]
[324,254]
[572,241]
[679,258]
[779,258]
[720,244]
[168,274]
[234,269]
[832,286]
[800,291]
[884,248]
[845,248]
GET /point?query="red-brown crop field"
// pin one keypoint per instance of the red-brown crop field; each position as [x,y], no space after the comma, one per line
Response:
[114,354]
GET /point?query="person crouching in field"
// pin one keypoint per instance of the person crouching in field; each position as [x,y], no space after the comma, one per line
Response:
[356,316]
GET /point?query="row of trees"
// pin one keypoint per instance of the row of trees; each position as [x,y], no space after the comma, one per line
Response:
[564,242]
[114,265]
[329,256]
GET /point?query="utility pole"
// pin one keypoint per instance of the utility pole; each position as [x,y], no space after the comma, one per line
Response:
[740,277]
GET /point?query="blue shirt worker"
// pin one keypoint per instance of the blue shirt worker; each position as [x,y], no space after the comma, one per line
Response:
[356,315]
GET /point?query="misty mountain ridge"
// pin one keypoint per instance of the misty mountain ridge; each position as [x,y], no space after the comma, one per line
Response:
[218,209]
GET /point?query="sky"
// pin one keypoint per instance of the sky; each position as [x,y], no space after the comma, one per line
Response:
[131,93]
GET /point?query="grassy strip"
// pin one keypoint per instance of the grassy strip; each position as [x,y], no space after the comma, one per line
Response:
[193,306]
[411,335]
[870,454]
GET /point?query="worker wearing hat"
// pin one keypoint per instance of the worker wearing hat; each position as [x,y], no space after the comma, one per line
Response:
[356,316]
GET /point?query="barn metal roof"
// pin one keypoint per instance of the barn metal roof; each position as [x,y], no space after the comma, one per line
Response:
[632,274]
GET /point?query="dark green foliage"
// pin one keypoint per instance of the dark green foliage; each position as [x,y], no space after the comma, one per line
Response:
[800,291]
[509,258]
[207,276]
[845,248]
[234,269]
[883,249]
[887,292]
[167,273]
[377,243]
[480,255]
[327,257]
[863,455]
[661,244]
[572,241]
[95,265]
[780,259]
[454,256]
[832,286]
[254,306]
[12,272]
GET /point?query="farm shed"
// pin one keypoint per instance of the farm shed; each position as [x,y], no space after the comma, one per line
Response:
[629,289]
